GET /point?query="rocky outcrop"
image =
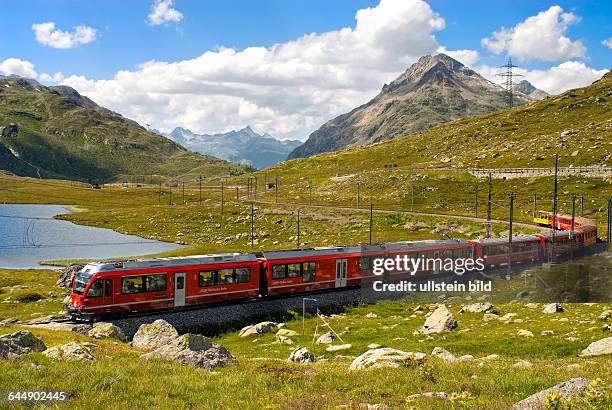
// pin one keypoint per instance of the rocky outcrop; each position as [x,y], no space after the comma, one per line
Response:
[66,275]
[193,350]
[326,338]
[337,348]
[568,390]
[598,348]
[386,357]
[286,333]
[102,330]
[15,344]
[441,320]
[73,351]
[301,355]
[154,335]
[443,354]
[258,329]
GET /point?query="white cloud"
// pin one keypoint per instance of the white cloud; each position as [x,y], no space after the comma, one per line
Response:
[287,89]
[554,80]
[538,37]
[467,57]
[18,67]
[162,12]
[607,42]
[52,79]
[48,35]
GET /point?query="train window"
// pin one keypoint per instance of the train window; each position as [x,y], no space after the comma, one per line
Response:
[155,283]
[80,281]
[132,284]
[243,275]
[225,276]
[95,290]
[364,263]
[207,278]
[108,287]
[308,271]
[294,270]
[279,271]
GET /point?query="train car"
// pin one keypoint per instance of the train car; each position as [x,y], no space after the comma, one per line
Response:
[303,270]
[542,218]
[431,249]
[495,252]
[152,284]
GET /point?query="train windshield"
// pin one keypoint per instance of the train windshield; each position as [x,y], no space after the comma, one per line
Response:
[81,279]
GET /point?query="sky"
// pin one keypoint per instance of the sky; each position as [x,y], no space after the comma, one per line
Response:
[286,67]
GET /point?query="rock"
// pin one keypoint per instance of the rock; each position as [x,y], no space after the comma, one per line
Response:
[374,346]
[258,329]
[286,333]
[491,357]
[67,274]
[9,321]
[377,406]
[439,321]
[570,389]
[553,308]
[606,315]
[435,394]
[15,344]
[477,308]
[193,350]
[372,315]
[487,317]
[154,335]
[508,317]
[301,355]
[326,338]
[73,351]
[524,333]
[443,354]
[598,348]
[532,305]
[573,367]
[101,330]
[465,358]
[575,153]
[522,364]
[284,340]
[547,333]
[338,348]
[386,357]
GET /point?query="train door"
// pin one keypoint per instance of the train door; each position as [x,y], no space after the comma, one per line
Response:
[107,298]
[341,268]
[179,289]
[437,262]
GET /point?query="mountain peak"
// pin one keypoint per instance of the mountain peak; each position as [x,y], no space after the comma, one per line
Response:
[528,89]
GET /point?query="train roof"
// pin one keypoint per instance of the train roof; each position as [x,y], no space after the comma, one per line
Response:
[504,241]
[293,253]
[170,262]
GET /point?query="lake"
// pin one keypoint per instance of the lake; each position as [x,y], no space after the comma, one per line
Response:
[29,234]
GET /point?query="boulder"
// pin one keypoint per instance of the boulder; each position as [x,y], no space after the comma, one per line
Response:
[154,335]
[374,346]
[598,348]
[337,348]
[66,275]
[553,308]
[441,320]
[487,317]
[8,321]
[101,330]
[301,355]
[372,315]
[477,308]
[570,389]
[522,364]
[286,333]
[547,333]
[258,329]
[73,351]
[386,357]
[524,333]
[532,305]
[443,354]
[284,340]
[193,350]
[15,344]
[325,339]
[606,315]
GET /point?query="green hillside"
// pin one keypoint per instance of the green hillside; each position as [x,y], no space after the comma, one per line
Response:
[54,132]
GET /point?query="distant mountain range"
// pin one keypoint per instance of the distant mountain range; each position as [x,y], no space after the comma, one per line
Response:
[434,90]
[55,132]
[242,146]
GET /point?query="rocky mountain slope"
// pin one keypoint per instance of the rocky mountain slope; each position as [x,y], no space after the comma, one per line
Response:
[434,90]
[242,146]
[528,89]
[54,132]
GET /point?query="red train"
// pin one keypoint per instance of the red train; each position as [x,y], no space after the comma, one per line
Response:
[104,288]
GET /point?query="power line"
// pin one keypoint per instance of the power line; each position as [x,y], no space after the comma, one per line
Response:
[508,77]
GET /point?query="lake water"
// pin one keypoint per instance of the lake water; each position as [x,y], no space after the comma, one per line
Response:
[29,234]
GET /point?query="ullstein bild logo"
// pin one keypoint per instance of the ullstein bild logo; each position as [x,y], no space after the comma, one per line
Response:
[405,264]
